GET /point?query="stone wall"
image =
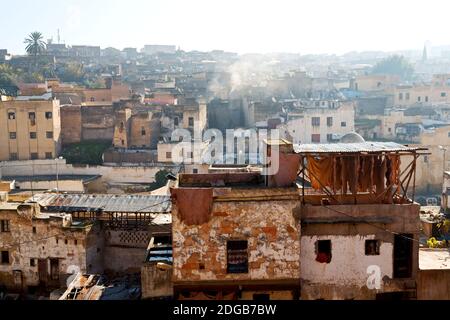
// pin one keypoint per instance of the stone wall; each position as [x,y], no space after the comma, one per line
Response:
[48,241]
[110,175]
[70,124]
[97,122]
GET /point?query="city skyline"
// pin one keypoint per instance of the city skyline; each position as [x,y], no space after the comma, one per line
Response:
[250,27]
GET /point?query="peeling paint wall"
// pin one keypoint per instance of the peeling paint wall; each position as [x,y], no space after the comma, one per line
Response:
[269,226]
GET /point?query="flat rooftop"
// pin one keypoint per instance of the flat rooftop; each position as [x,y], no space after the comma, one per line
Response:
[103,203]
[84,178]
[434,259]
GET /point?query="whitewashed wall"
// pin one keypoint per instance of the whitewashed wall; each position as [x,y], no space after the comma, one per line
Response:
[348,264]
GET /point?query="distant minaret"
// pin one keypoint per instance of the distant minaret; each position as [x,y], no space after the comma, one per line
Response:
[59,37]
[424,54]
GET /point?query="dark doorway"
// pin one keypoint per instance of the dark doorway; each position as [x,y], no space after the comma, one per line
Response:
[54,269]
[403,248]
[43,271]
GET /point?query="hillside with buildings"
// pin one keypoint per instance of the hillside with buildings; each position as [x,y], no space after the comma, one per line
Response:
[161,173]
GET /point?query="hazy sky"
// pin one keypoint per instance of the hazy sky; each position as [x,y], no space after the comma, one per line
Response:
[313,26]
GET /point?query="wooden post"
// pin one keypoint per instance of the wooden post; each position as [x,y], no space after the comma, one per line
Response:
[414,179]
[334,174]
[303,180]
[356,178]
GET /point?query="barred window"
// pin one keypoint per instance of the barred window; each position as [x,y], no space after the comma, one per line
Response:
[237,257]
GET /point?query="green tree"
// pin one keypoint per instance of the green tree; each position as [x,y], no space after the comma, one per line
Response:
[71,72]
[35,44]
[160,180]
[394,65]
[9,78]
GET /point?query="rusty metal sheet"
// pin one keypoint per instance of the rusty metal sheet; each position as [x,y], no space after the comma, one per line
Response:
[104,203]
[354,147]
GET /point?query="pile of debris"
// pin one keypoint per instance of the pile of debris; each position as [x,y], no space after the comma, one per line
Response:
[97,287]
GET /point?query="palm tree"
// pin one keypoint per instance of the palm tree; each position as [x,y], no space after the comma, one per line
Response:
[35,45]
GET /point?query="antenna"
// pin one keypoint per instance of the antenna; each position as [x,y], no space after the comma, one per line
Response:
[59,37]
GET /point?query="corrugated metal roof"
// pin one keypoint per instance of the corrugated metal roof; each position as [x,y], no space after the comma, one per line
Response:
[104,202]
[354,147]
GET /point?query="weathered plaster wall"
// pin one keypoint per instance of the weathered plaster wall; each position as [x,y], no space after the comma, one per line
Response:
[49,241]
[345,276]
[433,285]
[124,251]
[349,263]
[200,251]
[156,282]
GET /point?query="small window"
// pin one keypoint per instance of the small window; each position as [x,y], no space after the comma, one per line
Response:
[190,155]
[330,137]
[11,115]
[426,99]
[92,99]
[32,262]
[261,297]
[330,121]
[34,230]
[66,241]
[33,135]
[5,257]
[48,155]
[191,122]
[13,156]
[48,115]
[237,257]
[13,135]
[143,133]
[176,121]
[400,96]
[323,248]
[168,155]
[372,247]
[343,124]
[4,226]
[34,156]
[419,99]
[315,138]
[49,134]
[443,94]
[407,96]
[32,116]
[57,240]
[315,121]
[123,142]
[194,171]
[75,242]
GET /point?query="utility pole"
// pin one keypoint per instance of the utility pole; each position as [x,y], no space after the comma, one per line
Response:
[57,174]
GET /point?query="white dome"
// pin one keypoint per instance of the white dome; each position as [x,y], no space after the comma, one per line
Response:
[352,137]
